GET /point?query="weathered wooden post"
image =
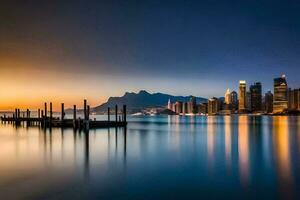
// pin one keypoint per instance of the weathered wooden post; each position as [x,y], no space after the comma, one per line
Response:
[51,113]
[88,113]
[84,109]
[45,115]
[108,114]
[62,111]
[16,115]
[88,118]
[74,116]
[124,113]
[27,117]
[39,113]
[45,110]
[43,119]
[116,112]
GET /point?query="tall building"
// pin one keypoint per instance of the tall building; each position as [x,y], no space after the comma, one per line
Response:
[269,102]
[178,107]
[227,97]
[169,105]
[193,105]
[213,106]
[242,95]
[185,108]
[256,97]
[248,100]
[293,99]
[280,102]
[234,100]
[202,108]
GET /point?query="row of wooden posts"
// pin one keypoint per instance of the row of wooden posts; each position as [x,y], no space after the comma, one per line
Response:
[45,120]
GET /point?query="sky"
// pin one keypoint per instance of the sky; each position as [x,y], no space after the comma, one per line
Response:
[65,51]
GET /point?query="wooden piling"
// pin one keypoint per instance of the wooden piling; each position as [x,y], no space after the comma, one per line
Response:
[62,111]
[108,113]
[45,110]
[88,113]
[124,113]
[116,112]
[39,113]
[74,116]
[84,109]
[51,113]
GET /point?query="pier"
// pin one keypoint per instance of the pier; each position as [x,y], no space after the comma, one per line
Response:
[45,118]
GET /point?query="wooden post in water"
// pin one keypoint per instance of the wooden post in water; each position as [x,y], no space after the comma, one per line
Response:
[51,113]
[116,112]
[45,115]
[108,114]
[88,113]
[39,113]
[84,109]
[124,113]
[62,111]
[42,115]
[74,116]
[16,114]
[45,110]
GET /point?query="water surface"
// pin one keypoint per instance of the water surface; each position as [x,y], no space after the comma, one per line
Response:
[160,157]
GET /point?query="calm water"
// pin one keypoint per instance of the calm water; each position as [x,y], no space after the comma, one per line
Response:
[155,158]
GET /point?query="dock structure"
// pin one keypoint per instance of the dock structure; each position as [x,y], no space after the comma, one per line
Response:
[44,120]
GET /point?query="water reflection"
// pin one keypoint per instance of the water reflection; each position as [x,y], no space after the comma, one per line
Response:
[210,140]
[227,129]
[282,152]
[156,154]
[243,149]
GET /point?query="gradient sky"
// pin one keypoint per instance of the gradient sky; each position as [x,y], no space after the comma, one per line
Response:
[64,51]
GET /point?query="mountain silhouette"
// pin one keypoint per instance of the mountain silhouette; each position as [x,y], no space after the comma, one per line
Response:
[138,101]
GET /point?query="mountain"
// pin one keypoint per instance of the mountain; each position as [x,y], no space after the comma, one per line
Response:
[138,101]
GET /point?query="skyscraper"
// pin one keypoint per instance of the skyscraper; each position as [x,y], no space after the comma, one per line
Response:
[255,97]
[242,95]
[293,99]
[234,100]
[248,100]
[169,105]
[213,106]
[269,102]
[227,97]
[280,102]
[193,105]
[178,107]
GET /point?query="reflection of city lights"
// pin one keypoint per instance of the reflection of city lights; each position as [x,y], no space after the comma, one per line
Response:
[281,147]
[210,138]
[243,146]
[227,122]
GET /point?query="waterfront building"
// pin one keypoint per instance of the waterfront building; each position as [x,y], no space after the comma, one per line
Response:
[242,95]
[268,102]
[185,108]
[189,107]
[234,100]
[193,104]
[248,100]
[202,108]
[213,106]
[293,99]
[280,102]
[178,107]
[169,104]
[256,97]
[228,96]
